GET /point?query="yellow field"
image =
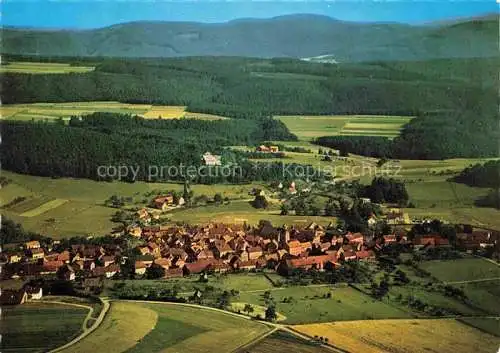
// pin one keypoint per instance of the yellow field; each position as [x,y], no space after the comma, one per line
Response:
[44,208]
[124,325]
[43,68]
[52,111]
[404,336]
[165,112]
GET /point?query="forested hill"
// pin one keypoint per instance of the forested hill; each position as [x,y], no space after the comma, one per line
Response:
[298,36]
[245,87]
[117,140]
[481,175]
[455,100]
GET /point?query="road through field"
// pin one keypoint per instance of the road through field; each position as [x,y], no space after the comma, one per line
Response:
[274,326]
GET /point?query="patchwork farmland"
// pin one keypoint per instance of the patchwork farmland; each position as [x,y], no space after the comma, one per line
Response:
[310,127]
[55,111]
[42,68]
[417,336]
[168,328]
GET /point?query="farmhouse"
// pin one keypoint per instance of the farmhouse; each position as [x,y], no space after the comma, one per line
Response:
[34,244]
[254,252]
[14,257]
[197,267]
[33,292]
[174,273]
[135,231]
[37,253]
[143,215]
[108,271]
[263,148]
[162,202]
[140,268]
[163,262]
[317,262]
[210,159]
[430,241]
[66,272]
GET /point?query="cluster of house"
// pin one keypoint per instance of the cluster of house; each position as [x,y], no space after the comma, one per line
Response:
[160,204]
[187,250]
[31,260]
[183,250]
[220,248]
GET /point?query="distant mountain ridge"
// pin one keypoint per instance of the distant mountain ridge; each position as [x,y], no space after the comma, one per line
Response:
[298,36]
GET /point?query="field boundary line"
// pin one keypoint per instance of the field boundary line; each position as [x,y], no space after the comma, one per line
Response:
[307,337]
[255,340]
[474,280]
[86,332]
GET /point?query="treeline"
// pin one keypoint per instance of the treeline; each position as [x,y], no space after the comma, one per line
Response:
[372,146]
[101,145]
[481,175]
[485,175]
[472,133]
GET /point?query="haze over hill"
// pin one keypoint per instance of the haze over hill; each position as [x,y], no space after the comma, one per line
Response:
[299,36]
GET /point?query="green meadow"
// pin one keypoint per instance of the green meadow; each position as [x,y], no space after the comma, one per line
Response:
[310,127]
[37,327]
[68,207]
[308,304]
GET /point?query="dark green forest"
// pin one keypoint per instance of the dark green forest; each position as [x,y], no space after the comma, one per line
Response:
[117,140]
[245,87]
[485,175]
[454,100]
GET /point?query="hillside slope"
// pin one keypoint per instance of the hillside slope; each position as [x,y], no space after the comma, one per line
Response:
[299,36]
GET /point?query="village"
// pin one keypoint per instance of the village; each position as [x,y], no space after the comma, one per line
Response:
[183,251]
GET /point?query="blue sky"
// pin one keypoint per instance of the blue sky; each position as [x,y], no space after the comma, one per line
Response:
[92,14]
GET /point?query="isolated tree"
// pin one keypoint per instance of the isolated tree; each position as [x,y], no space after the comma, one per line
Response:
[155,271]
[224,300]
[248,309]
[260,202]
[218,198]
[267,295]
[271,313]
[285,209]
